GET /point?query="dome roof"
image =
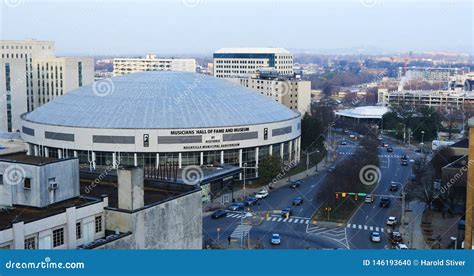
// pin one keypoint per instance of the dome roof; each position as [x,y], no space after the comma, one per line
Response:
[161,99]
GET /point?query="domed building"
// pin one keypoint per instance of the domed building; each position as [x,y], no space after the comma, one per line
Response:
[152,118]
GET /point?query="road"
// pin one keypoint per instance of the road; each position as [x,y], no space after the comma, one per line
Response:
[297,232]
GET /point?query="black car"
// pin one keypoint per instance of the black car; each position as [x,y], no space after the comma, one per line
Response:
[250,201]
[295,184]
[393,187]
[286,212]
[385,202]
[298,200]
[389,149]
[404,163]
[331,169]
[219,214]
[396,237]
[405,157]
[343,143]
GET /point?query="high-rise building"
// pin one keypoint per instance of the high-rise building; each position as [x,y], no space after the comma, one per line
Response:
[123,66]
[292,92]
[244,62]
[31,75]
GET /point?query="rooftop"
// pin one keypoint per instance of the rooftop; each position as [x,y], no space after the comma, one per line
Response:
[364,112]
[160,100]
[29,214]
[252,51]
[21,157]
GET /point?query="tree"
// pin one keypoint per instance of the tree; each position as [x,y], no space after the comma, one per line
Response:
[269,168]
[311,133]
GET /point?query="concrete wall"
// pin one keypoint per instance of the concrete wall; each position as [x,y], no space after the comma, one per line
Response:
[176,224]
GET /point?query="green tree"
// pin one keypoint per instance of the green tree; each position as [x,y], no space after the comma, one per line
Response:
[311,133]
[269,168]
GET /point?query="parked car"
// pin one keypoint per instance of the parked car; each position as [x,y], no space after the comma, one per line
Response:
[352,136]
[250,201]
[396,237]
[343,143]
[375,237]
[385,145]
[287,212]
[236,206]
[261,194]
[298,200]
[331,169]
[393,187]
[401,246]
[380,138]
[385,202]
[219,214]
[369,199]
[404,163]
[276,240]
[392,221]
[389,149]
[295,184]
[404,157]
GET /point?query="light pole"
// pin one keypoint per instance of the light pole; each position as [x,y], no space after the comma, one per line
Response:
[422,136]
[307,161]
[455,240]
[402,219]
[243,209]
[330,125]
[218,236]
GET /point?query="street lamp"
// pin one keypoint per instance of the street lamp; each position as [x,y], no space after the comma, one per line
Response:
[422,136]
[307,161]
[455,240]
[402,219]
[330,125]
[328,209]
[218,237]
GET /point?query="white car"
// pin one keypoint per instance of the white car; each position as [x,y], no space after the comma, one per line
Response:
[261,194]
[369,199]
[392,221]
[276,239]
[375,237]
[401,246]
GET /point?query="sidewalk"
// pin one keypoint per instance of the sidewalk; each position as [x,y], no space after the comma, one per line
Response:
[414,215]
[239,194]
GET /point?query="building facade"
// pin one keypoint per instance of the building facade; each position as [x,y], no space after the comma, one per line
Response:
[244,62]
[31,75]
[123,66]
[291,92]
[441,98]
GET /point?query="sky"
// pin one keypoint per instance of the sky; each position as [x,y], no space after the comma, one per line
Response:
[187,27]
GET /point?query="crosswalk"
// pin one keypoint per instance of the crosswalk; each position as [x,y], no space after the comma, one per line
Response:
[241,231]
[295,220]
[365,227]
[380,155]
[236,215]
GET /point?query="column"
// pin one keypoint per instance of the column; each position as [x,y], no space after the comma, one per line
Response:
[282,147]
[179,160]
[157,160]
[75,153]
[93,160]
[240,163]
[36,150]
[270,150]
[135,159]
[18,235]
[46,152]
[60,153]
[202,158]
[256,162]
[290,148]
[114,160]
[222,157]
[71,228]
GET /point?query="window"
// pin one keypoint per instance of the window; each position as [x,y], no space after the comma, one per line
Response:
[58,237]
[98,224]
[30,243]
[1,179]
[27,183]
[78,230]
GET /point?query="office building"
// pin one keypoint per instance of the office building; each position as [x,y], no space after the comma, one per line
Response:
[433,98]
[244,62]
[31,75]
[123,66]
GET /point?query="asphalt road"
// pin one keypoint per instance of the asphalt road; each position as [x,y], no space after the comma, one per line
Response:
[297,232]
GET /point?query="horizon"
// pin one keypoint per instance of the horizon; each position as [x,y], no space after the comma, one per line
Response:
[207,25]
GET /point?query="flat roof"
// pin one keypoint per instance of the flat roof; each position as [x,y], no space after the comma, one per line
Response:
[28,214]
[252,50]
[23,158]
[364,112]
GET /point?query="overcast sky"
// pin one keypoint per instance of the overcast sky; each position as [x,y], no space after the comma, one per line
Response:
[202,26]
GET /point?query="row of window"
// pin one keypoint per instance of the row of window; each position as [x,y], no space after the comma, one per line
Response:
[241,61]
[58,238]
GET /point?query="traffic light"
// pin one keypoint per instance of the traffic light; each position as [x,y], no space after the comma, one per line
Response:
[343,195]
[337,195]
